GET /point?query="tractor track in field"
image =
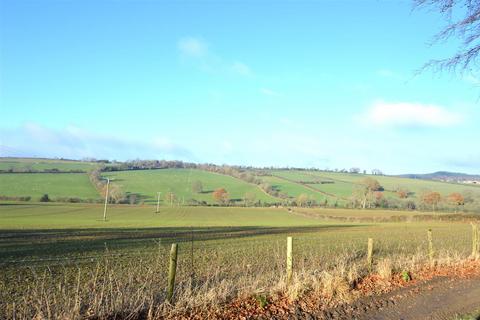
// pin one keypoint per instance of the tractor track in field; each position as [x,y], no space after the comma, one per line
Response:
[310,187]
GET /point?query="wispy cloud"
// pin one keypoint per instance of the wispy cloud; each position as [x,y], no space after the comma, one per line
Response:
[241,68]
[197,51]
[410,114]
[74,142]
[192,47]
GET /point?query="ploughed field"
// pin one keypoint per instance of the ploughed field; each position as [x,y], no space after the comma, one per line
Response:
[66,253]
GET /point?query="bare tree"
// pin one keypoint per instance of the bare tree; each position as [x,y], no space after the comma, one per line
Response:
[367,188]
[302,200]
[466,28]
[170,197]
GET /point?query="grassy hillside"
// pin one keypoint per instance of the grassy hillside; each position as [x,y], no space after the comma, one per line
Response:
[76,185]
[344,183]
[295,189]
[146,183]
[23,164]
[317,185]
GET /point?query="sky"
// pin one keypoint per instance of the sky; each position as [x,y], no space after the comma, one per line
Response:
[324,84]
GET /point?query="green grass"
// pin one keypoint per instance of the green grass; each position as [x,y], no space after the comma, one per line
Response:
[62,216]
[344,183]
[146,183]
[294,189]
[233,249]
[54,184]
[44,164]
[38,233]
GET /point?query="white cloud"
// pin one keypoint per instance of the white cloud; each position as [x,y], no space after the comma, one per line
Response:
[196,52]
[193,47]
[241,68]
[269,92]
[408,114]
[72,142]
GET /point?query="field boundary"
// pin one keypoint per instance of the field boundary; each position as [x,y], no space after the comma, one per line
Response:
[310,187]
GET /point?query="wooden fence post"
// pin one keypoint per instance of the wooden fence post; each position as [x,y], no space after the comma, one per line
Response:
[370,254]
[289,260]
[172,270]
[430,247]
[475,241]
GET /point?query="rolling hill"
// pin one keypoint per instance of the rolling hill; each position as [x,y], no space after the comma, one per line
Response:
[323,187]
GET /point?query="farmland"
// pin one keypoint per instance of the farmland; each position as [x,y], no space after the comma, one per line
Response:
[54,184]
[59,247]
[138,184]
[220,245]
[344,183]
[146,183]
[25,164]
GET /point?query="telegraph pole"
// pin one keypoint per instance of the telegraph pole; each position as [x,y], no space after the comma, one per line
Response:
[106,201]
[158,202]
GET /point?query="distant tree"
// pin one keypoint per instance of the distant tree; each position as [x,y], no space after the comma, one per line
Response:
[431,198]
[267,187]
[221,196]
[45,198]
[354,170]
[367,187]
[378,196]
[249,198]
[456,199]
[115,194]
[402,193]
[197,186]
[410,205]
[302,200]
[170,197]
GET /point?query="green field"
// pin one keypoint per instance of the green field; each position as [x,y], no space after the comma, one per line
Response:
[22,164]
[146,183]
[295,189]
[75,185]
[60,216]
[334,187]
[39,230]
[68,252]
[345,183]
[414,185]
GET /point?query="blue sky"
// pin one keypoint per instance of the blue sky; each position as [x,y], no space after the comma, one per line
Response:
[327,84]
